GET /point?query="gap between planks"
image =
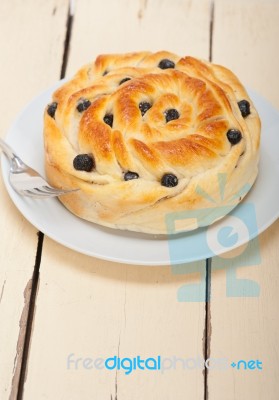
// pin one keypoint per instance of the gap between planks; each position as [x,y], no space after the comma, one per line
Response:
[30,316]
[207,322]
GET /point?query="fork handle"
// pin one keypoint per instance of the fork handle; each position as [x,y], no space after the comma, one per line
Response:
[16,163]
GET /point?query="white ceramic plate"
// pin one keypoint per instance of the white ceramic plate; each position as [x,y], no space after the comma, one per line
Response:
[50,217]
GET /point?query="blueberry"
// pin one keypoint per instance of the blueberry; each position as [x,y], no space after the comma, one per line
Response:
[234,136]
[51,109]
[83,104]
[169,180]
[130,175]
[244,107]
[144,106]
[84,162]
[171,114]
[165,64]
[124,80]
[108,119]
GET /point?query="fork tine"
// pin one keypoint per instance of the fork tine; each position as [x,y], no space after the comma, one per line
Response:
[35,193]
[53,190]
[40,193]
[57,192]
[43,191]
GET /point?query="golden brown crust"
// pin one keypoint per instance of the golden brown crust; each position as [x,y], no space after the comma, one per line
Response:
[194,147]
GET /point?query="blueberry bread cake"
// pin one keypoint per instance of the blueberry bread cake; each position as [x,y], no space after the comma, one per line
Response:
[143,135]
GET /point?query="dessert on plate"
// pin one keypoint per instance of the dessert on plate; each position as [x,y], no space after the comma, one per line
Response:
[144,135]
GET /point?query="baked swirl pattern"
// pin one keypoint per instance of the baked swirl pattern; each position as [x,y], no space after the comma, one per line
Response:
[138,133]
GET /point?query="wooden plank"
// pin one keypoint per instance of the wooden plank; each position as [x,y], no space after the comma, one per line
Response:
[31,38]
[245,39]
[92,308]
[245,327]
[115,27]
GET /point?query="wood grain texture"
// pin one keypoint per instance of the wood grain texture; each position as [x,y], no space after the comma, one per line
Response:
[94,308]
[246,326]
[133,25]
[245,39]
[31,45]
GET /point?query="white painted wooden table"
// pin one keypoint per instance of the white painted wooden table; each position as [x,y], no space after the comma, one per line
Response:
[56,302]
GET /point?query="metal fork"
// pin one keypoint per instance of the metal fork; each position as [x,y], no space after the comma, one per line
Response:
[25,180]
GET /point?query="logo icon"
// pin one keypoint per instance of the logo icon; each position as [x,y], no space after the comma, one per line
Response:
[215,237]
